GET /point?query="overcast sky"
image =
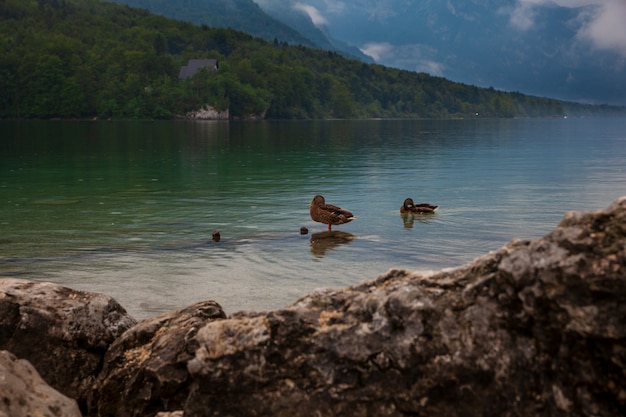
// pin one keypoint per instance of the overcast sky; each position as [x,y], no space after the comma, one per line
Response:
[600,23]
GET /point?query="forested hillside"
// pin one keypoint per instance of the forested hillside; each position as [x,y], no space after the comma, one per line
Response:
[86,58]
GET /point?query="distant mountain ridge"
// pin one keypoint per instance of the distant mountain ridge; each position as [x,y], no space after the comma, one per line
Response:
[538,47]
[242,15]
[247,16]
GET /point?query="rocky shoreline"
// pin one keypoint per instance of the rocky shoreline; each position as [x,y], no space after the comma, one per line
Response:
[208,113]
[535,328]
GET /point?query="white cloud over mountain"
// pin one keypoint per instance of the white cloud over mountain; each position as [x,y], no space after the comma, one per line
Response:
[312,12]
[377,50]
[601,22]
[607,28]
[417,57]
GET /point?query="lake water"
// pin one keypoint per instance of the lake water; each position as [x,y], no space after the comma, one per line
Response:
[128,208]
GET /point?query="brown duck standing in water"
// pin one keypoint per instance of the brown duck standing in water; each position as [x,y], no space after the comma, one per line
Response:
[409,207]
[329,214]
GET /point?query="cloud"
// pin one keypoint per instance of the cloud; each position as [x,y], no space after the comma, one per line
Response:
[601,22]
[416,57]
[522,16]
[430,67]
[378,50]
[606,29]
[314,14]
[335,7]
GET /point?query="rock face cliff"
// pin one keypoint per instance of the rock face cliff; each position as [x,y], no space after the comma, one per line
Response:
[535,328]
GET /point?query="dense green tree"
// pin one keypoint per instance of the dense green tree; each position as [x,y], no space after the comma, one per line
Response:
[342,104]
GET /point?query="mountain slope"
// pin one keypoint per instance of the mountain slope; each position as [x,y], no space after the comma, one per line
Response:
[247,16]
[538,47]
[235,14]
[299,19]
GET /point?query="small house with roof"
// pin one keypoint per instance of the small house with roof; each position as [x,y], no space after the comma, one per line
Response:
[195,65]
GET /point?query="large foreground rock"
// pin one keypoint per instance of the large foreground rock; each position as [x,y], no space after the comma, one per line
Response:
[23,393]
[64,333]
[534,329]
[146,368]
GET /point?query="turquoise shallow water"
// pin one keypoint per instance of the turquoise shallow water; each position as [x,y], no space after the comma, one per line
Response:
[128,208]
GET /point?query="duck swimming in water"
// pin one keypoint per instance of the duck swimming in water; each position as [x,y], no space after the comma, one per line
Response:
[409,207]
[329,214]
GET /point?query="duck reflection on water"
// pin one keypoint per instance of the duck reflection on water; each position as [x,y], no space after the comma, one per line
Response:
[408,219]
[322,242]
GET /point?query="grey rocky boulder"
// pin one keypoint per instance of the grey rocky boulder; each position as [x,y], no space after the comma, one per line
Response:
[64,333]
[23,393]
[145,369]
